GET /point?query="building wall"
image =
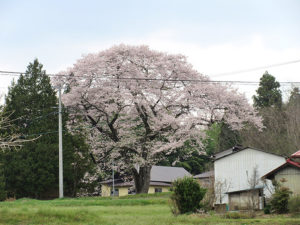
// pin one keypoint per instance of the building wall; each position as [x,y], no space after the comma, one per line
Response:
[123,191]
[205,182]
[237,168]
[292,177]
[105,190]
[152,189]
[243,200]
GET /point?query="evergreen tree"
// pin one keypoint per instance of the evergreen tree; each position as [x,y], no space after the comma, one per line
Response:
[32,171]
[2,184]
[268,93]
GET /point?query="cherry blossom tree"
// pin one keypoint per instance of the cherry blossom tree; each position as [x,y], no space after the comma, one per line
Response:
[143,104]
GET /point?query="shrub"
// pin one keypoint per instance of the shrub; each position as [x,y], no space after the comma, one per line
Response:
[267,209]
[280,199]
[294,205]
[186,196]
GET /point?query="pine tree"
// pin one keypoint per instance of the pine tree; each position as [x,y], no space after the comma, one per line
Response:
[32,171]
[268,93]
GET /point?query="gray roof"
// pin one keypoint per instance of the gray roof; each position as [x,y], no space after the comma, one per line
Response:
[154,183]
[167,173]
[205,174]
[228,152]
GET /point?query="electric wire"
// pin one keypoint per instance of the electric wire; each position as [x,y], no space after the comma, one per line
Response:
[237,82]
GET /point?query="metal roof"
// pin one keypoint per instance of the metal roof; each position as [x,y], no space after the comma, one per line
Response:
[237,149]
[205,174]
[245,190]
[288,162]
[167,173]
[296,154]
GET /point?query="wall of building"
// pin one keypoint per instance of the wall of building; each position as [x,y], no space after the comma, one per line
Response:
[105,190]
[292,177]
[236,169]
[152,189]
[243,200]
[123,191]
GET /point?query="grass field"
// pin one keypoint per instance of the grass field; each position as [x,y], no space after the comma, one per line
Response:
[139,209]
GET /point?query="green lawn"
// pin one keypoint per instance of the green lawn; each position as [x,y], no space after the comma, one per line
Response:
[139,209]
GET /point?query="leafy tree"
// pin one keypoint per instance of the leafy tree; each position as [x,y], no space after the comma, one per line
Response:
[187,157]
[220,136]
[268,93]
[141,121]
[294,98]
[32,171]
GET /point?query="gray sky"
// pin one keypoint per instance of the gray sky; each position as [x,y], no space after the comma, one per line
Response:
[217,36]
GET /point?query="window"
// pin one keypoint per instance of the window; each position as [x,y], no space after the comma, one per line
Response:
[158,190]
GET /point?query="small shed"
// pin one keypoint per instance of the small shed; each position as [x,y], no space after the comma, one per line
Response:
[290,171]
[205,179]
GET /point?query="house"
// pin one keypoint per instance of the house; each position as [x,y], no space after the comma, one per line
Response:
[161,178]
[290,171]
[237,176]
[121,188]
[205,179]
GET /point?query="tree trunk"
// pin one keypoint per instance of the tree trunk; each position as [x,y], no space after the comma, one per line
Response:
[142,179]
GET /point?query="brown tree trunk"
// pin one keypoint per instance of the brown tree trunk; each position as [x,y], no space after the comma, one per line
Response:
[142,179]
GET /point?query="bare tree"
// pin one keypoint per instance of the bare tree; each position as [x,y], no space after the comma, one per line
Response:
[10,140]
[221,187]
[253,181]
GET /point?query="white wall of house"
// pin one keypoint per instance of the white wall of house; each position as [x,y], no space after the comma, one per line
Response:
[236,169]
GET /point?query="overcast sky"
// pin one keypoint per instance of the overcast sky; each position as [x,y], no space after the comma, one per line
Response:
[216,36]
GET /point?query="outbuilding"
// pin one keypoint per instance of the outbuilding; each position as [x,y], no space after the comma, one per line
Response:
[237,173]
[289,172]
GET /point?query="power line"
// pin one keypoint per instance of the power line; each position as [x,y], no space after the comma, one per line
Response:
[254,69]
[15,73]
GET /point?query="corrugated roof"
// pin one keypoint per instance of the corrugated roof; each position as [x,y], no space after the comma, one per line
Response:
[205,174]
[245,190]
[288,162]
[228,152]
[296,154]
[167,173]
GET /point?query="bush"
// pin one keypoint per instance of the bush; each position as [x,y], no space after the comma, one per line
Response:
[294,205]
[186,196]
[280,199]
[267,209]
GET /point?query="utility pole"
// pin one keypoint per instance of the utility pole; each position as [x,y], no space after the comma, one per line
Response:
[113,178]
[60,155]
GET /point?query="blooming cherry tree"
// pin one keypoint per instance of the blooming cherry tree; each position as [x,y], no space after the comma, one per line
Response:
[143,104]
